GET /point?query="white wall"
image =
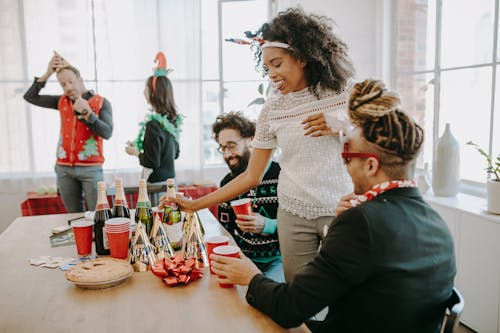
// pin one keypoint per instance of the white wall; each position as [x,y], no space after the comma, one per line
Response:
[365,27]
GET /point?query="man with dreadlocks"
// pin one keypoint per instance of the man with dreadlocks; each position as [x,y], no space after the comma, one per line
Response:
[157,144]
[387,262]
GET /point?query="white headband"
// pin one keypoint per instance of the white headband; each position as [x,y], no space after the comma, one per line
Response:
[275,44]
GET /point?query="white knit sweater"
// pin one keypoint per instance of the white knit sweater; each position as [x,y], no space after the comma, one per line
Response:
[313,176]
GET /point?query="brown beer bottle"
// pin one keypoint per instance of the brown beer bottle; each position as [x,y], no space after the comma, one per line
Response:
[102,213]
[120,206]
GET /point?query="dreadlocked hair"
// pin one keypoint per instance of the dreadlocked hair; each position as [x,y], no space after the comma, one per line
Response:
[162,100]
[233,120]
[390,131]
[312,40]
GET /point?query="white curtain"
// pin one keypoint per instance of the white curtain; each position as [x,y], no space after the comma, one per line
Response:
[113,43]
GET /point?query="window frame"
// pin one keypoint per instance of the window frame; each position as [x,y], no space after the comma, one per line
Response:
[466,186]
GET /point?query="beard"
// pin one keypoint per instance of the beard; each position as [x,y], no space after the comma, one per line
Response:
[242,162]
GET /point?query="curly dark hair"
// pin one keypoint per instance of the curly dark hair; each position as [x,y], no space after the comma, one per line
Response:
[312,40]
[162,100]
[233,120]
[392,134]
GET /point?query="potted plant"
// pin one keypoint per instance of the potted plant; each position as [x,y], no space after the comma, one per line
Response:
[493,184]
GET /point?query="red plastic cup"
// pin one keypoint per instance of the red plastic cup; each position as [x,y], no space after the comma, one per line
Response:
[82,230]
[211,243]
[118,232]
[242,206]
[227,251]
[118,244]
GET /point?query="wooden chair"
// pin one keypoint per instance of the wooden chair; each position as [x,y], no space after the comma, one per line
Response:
[454,308]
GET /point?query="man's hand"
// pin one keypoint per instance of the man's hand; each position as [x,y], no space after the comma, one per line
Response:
[55,63]
[251,223]
[82,108]
[234,270]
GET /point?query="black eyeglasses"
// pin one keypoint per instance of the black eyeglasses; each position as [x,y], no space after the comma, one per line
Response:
[231,146]
[347,156]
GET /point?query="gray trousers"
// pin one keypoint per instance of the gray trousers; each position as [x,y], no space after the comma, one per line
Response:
[74,181]
[299,240]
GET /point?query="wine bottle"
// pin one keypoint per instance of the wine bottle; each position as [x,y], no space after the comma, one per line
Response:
[120,206]
[102,213]
[143,211]
[173,225]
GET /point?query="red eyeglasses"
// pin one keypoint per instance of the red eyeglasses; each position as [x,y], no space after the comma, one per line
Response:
[347,156]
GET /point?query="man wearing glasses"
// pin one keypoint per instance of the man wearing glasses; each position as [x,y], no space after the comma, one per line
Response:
[255,234]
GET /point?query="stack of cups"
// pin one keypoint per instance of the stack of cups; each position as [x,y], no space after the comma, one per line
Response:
[118,232]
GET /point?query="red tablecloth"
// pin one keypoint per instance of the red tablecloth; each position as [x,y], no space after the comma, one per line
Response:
[45,204]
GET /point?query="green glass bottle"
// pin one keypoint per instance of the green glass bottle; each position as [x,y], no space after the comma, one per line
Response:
[143,211]
[173,225]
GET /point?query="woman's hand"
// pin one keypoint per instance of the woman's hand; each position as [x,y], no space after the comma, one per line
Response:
[187,205]
[345,203]
[316,126]
[234,270]
[131,149]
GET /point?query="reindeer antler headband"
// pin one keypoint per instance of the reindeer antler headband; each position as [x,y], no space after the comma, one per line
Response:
[161,68]
[254,40]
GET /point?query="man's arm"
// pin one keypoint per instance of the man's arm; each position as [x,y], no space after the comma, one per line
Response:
[102,125]
[33,96]
[343,262]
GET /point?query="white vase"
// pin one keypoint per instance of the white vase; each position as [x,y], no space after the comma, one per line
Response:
[445,170]
[423,179]
[493,198]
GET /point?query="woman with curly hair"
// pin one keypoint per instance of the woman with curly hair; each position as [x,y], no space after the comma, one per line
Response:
[157,144]
[308,64]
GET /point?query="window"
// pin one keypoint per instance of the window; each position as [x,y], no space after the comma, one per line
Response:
[446,65]
[113,44]
[230,79]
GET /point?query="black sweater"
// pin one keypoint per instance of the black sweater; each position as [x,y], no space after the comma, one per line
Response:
[385,266]
[160,151]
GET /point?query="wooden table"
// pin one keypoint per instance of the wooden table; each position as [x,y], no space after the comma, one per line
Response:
[37,299]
